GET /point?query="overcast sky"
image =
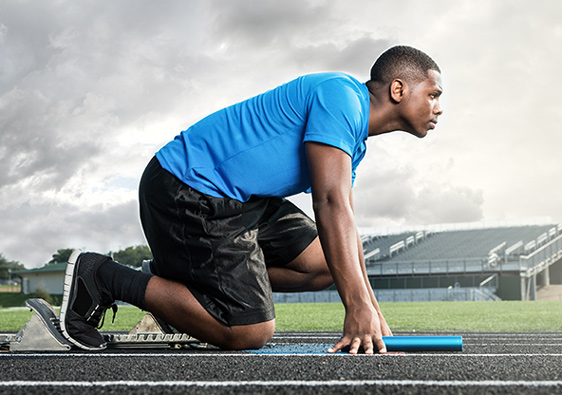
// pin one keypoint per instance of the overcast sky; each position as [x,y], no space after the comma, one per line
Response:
[89,90]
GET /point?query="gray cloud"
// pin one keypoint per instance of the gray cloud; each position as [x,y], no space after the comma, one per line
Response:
[354,56]
[404,195]
[37,144]
[295,37]
[440,204]
[268,25]
[36,231]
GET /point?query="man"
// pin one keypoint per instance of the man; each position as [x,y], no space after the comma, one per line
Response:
[223,236]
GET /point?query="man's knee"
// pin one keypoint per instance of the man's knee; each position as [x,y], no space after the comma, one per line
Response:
[245,337]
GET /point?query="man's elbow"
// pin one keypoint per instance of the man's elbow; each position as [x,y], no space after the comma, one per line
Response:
[330,204]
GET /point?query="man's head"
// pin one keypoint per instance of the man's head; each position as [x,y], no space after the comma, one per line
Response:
[402,62]
[411,82]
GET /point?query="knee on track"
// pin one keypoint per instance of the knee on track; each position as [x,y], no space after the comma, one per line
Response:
[250,336]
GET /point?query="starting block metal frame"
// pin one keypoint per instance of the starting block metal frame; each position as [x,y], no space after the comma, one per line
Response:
[42,334]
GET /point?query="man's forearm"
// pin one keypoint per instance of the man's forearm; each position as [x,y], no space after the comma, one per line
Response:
[385,329]
[337,232]
[365,275]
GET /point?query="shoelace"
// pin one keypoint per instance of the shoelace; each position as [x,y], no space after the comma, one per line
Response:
[112,307]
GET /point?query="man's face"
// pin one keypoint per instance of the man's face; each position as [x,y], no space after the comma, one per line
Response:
[422,107]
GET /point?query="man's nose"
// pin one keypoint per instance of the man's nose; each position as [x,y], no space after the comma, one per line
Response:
[438,110]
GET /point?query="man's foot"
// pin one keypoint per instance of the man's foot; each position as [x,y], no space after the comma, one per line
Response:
[84,301]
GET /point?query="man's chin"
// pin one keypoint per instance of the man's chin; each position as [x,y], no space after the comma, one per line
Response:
[418,134]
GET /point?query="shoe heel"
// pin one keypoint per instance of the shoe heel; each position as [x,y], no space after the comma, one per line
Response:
[74,257]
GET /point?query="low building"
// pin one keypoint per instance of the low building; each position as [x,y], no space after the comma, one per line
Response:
[49,278]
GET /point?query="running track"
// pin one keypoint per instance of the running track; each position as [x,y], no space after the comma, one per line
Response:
[295,363]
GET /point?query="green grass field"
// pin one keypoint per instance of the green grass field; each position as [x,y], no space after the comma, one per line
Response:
[508,316]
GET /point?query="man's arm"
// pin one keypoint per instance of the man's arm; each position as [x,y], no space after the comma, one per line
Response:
[330,172]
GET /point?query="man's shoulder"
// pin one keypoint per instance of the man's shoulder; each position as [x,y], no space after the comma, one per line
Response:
[337,77]
[337,86]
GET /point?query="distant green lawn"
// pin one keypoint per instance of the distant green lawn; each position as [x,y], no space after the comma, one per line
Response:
[509,316]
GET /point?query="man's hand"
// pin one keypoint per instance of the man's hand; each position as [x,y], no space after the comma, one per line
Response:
[362,328]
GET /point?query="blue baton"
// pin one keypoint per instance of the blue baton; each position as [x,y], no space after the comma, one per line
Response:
[419,343]
[423,343]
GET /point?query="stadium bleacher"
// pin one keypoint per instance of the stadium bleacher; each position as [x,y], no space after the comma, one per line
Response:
[473,243]
[518,257]
[460,264]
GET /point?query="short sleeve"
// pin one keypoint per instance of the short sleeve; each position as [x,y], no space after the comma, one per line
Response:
[335,115]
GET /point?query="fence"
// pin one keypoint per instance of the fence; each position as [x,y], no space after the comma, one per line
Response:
[397,295]
[541,258]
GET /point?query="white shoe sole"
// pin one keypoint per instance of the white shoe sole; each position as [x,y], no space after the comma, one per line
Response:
[68,278]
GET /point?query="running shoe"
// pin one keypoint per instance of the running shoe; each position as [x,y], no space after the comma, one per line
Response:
[84,301]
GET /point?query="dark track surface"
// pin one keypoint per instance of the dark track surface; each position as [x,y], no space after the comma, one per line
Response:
[491,363]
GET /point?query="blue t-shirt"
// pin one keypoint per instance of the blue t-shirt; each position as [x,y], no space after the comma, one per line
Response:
[256,147]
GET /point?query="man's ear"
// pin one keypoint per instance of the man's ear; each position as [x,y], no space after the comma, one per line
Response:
[397,90]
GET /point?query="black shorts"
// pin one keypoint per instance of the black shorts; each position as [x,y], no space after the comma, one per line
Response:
[220,248]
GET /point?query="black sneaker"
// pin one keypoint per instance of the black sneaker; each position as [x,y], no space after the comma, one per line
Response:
[84,302]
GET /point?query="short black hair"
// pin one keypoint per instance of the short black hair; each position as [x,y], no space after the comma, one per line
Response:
[401,61]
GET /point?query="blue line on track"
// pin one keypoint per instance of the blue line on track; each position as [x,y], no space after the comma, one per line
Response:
[292,349]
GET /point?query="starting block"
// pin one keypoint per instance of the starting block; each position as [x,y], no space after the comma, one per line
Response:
[42,333]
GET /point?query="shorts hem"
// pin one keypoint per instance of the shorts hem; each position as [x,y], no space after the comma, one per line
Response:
[304,247]
[255,316]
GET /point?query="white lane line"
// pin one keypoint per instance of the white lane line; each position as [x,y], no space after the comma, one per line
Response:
[471,338]
[467,334]
[286,383]
[307,337]
[256,355]
[518,344]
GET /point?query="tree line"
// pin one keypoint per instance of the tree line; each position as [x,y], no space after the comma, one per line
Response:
[130,256]
[7,266]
